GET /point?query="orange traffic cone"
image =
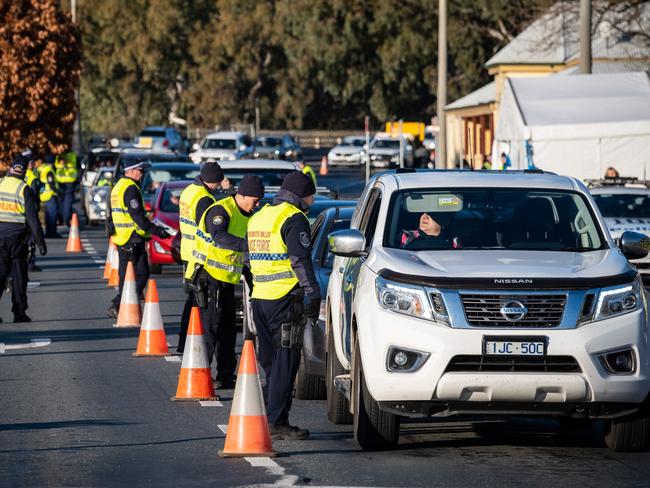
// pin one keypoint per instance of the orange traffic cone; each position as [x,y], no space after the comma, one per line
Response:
[114,277]
[152,340]
[248,428]
[323,167]
[109,257]
[74,243]
[195,381]
[129,315]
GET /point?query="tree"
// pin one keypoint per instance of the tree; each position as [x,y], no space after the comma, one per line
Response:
[40,66]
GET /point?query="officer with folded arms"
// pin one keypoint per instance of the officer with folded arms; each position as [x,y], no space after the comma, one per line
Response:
[131,228]
[18,221]
[194,201]
[285,293]
[49,196]
[221,245]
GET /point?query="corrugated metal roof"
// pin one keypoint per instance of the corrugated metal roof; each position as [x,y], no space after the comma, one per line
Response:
[485,94]
[554,38]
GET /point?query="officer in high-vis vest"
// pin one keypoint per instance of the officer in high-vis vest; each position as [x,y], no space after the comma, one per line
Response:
[49,197]
[66,177]
[18,221]
[131,228]
[34,183]
[285,293]
[305,168]
[220,247]
[194,201]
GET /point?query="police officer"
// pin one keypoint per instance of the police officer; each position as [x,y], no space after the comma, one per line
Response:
[131,228]
[221,243]
[34,183]
[18,220]
[283,277]
[305,168]
[66,177]
[49,195]
[194,201]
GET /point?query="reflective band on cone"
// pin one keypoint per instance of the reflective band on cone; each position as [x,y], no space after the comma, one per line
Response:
[74,242]
[114,278]
[129,315]
[109,259]
[152,340]
[248,432]
[195,380]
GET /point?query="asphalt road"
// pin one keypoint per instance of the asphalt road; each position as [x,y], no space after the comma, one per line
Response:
[79,410]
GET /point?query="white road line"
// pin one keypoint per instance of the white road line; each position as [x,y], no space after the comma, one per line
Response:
[33,284]
[98,261]
[25,345]
[91,252]
[173,359]
[210,403]
[224,428]
[274,469]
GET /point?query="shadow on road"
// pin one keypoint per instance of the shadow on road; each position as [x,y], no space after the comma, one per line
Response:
[62,424]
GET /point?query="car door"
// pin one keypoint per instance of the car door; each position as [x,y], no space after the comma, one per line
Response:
[352,266]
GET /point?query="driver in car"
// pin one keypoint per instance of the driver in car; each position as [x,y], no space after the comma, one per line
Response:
[428,227]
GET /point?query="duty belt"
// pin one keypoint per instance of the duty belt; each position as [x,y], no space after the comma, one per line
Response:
[273,277]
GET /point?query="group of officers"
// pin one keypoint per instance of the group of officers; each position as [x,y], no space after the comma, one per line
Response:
[221,241]
[23,190]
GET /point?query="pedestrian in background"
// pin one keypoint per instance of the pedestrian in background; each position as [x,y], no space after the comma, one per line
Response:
[194,201]
[49,196]
[305,168]
[283,277]
[611,172]
[221,238]
[131,229]
[18,221]
[66,177]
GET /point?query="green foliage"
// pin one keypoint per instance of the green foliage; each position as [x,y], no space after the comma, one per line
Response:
[302,63]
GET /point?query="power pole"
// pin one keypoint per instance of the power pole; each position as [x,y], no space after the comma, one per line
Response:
[441,140]
[585,37]
[76,137]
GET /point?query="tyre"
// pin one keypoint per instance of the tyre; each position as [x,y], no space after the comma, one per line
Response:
[338,407]
[374,429]
[309,386]
[155,268]
[628,433]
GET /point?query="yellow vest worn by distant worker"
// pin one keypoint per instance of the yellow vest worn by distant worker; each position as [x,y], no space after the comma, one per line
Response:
[310,172]
[222,264]
[66,168]
[12,200]
[124,224]
[47,192]
[273,276]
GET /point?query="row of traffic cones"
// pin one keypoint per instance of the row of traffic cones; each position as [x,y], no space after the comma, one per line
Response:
[248,431]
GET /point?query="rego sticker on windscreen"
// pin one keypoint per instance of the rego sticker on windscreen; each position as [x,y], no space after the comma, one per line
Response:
[448,201]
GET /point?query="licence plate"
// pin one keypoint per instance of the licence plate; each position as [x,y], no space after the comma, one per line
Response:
[145,142]
[494,346]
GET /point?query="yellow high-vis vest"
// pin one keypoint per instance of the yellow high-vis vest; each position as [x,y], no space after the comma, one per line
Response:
[66,168]
[309,172]
[222,264]
[273,276]
[12,200]
[187,212]
[47,192]
[30,176]
[124,224]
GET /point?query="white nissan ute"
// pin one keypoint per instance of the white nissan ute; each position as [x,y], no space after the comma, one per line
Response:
[459,292]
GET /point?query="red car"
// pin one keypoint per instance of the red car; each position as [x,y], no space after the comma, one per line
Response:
[164,212]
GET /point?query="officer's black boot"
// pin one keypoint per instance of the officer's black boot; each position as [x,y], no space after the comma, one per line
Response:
[288,432]
[21,317]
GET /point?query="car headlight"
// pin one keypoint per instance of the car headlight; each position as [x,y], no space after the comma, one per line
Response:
[98,198]
[394,159]
[404,299]
[195,157]
[373,156]
[618,300]
[170,230]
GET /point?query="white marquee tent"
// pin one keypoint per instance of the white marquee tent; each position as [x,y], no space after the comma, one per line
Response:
[577,124]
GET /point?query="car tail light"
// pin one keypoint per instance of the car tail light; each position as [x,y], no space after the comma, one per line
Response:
[165,143]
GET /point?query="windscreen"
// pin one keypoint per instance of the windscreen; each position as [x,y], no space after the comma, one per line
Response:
[268,141]
[386,144]
[624,205]
[353,142]
[154,178]
[170,199]
[152,133]
[514,219]
[219,144]
[270,177]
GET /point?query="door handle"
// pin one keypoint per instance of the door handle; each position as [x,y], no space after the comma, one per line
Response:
[348,279]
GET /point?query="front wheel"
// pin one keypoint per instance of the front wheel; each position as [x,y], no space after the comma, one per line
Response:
[309,386]
[374,429]
[338,407]
[628,433]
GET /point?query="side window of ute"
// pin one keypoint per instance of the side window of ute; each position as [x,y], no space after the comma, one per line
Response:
[369,219]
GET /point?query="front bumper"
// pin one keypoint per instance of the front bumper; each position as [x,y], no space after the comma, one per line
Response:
[379,329]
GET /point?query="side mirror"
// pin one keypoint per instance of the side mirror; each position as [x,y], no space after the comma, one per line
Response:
[195,147]
[634,245]
[349,243]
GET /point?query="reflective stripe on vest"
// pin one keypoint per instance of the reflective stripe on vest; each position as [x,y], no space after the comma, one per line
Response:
[124,224]
[187,212]
[47,192]
[12,200]
[222,264]
[270,264]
